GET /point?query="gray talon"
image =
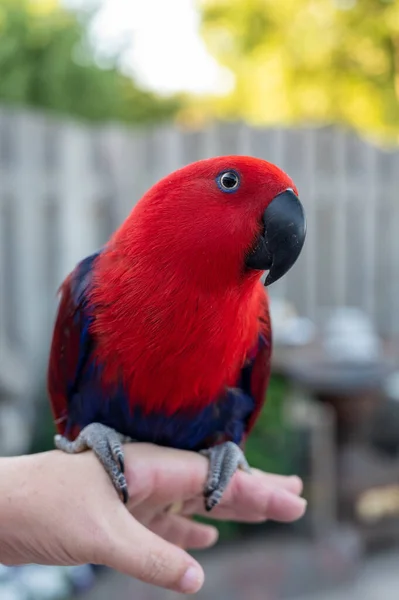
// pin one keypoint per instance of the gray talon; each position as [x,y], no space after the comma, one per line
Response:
[224,460]
[117,453]
[121,461]
[122,485]
[106,445]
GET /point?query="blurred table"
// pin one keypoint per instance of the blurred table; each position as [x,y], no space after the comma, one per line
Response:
[353,389]
[367,475]
[285,359]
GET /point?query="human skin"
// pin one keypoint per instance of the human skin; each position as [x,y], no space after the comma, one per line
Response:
[60,509]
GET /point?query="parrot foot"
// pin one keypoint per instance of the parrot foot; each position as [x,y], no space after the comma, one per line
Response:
[224,460]
[106,444]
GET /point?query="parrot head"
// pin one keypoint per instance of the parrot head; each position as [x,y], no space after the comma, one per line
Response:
[232,216]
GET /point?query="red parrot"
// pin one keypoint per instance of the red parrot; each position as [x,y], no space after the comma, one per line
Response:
[163,335]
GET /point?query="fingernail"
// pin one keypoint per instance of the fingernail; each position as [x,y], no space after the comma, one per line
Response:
[293,497]
[191,581]
[285,495]
[298,481]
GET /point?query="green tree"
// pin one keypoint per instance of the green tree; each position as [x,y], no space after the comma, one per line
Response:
[47,61]
[320,61]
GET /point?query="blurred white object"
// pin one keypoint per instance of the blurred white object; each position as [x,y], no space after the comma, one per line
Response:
[4,572]
[44,583]
[349,335]
[38,582]
[288,328]
[11,590]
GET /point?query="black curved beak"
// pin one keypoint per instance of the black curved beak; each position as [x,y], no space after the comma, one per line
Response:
[279,246]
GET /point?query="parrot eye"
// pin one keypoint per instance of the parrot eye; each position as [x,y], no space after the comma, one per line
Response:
[228,181]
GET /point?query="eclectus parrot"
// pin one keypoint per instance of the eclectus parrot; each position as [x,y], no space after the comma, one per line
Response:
[164,335]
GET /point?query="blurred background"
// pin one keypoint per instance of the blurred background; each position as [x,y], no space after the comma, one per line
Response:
[101,98]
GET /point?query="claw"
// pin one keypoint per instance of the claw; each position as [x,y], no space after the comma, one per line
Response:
[118,455]
[121,461]
[224,460]
[106,444]
[123,489]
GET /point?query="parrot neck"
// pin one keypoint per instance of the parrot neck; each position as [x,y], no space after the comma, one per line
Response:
[175,342]
[167,245]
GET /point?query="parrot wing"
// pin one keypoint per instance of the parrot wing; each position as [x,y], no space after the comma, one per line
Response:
[71,345]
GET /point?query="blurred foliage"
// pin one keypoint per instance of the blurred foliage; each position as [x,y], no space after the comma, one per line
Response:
[47,61]
[314,61]
[265,448]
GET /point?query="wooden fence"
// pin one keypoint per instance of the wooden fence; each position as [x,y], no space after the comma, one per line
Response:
[64,187]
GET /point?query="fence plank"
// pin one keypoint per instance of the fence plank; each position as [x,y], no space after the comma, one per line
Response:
[77,188]
[341,201]
[28,189]
[391,286]
[310,203]
[369,197]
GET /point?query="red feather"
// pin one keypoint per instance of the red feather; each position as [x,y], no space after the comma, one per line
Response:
[64,355]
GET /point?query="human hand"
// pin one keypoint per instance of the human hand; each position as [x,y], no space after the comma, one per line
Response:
[62,509]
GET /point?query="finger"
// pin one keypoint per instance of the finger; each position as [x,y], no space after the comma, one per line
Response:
[254,499]
[183,532]
[135,551]
[163,476]
[291,483]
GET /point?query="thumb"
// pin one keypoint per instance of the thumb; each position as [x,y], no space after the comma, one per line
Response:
[138,552]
